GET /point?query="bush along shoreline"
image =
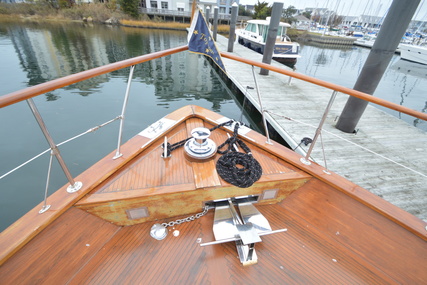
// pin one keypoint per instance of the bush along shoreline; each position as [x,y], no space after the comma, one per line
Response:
[102,13]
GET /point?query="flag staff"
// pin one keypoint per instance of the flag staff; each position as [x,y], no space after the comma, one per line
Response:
[193,9]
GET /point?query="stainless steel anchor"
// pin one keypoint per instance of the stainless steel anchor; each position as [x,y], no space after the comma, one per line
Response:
[245,229]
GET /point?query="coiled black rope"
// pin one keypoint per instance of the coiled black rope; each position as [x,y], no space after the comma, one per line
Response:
[237,168]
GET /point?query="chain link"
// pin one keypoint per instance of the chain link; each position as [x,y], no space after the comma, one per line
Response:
[188,219]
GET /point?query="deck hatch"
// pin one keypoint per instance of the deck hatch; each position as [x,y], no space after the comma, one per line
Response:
[137,213]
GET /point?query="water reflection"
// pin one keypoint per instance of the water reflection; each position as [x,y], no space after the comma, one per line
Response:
[403,82]
[48,51]
[410,75]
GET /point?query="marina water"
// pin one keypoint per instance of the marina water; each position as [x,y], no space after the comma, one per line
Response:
[36,53]
[403,83]
[33,53]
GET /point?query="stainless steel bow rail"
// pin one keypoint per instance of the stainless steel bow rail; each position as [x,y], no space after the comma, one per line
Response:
[29,93]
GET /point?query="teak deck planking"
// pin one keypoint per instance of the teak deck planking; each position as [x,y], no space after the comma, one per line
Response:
[324,244]
[338,233]
[176,186]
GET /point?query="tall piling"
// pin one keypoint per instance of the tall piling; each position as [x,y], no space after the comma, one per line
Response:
[276,14]
[233,21]
[215,22]
[389,36]
[208,12]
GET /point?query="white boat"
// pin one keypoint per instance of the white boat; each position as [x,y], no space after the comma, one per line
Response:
[254,36]
[357,34]
[413,53]
[367,41]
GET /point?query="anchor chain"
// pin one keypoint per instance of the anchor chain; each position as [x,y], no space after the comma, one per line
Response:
[188,219]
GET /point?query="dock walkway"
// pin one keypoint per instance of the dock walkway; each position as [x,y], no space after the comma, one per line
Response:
[387,156]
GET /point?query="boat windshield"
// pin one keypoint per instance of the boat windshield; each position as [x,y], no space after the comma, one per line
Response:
[262,30]
[251,28]
[281,32]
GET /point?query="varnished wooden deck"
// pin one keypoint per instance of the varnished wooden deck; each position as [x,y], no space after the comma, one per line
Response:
[324,244]
[175,186]
[338,233]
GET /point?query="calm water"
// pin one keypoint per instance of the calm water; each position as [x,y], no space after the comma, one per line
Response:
[32,54]
[404,82]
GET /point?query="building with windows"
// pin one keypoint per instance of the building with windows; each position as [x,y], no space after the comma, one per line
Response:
[185,5]
[182,8]
[363,21]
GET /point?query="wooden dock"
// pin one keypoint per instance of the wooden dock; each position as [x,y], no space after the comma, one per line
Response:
[387,156]
[326,39]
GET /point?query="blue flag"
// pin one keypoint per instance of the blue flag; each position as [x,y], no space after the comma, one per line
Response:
[201,41]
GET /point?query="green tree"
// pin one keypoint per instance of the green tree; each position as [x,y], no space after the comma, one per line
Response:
[288,14]
[307,14]
[262,10]
[65,3]
[130,7]
[243,11]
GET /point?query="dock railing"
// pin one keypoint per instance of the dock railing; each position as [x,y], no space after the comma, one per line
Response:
[30,92]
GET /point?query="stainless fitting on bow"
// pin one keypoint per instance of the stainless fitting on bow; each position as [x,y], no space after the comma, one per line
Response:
[200,147]
[158,231]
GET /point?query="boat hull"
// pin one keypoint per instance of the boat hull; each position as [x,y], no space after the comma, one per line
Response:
[286,53]
[413,53]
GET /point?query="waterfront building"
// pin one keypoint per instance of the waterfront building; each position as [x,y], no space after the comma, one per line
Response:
[184,6]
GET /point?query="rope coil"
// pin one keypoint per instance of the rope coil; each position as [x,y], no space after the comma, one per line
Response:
[237,168]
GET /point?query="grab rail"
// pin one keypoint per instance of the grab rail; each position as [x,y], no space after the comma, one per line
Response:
[36,90]
[30,92]
[332,86]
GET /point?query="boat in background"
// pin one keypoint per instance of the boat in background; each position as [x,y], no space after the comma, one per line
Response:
[366,41]
[254,36]
[409,68]
[415,53]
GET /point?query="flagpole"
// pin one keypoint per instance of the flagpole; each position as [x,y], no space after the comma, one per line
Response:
[200,39]
[193,9]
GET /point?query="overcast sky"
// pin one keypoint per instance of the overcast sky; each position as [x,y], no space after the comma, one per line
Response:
[347,7]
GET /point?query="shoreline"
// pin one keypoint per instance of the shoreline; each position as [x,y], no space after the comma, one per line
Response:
[175,26]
